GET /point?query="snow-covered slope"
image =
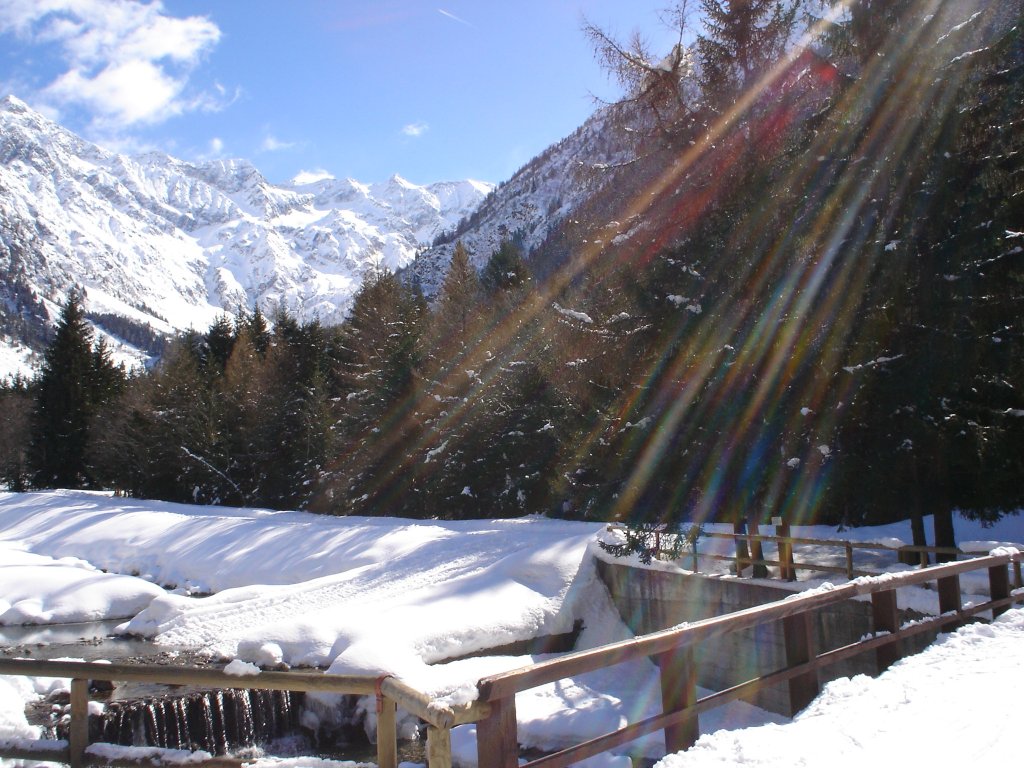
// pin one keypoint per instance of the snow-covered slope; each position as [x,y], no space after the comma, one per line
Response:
[169,244]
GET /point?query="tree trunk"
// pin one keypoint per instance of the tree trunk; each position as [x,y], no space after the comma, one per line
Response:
[945,535]
[917,519]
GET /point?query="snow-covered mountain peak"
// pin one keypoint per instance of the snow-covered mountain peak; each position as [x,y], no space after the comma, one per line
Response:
[12,103]
[166,244]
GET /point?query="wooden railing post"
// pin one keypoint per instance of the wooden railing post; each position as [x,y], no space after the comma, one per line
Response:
[849,561]
[949,594]
[999,586]
[78,738]
[387,733]
[439,748]
[679,691]
[497,743]
[786,570]
[739,530]
[798,632]
[1018,582]
[886,618]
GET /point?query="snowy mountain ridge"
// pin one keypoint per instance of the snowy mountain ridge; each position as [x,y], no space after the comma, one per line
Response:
[166,244]
[546,193]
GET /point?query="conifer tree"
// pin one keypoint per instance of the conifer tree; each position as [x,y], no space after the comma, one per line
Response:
[743,38]
[15,408]
[459,298]
[245,411]
[505,269]
[216,346]
[75,378]
[658,86]
[378,371]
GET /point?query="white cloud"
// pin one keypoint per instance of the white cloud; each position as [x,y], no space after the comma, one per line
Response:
[271,143]
[126,94]
[127,62]
[415,129]
[216,146]
[311,177]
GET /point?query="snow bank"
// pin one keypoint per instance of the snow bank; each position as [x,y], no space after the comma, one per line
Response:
[361,595]
[35,589]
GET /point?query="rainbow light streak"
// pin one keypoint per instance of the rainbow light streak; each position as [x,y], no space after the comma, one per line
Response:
[776,355]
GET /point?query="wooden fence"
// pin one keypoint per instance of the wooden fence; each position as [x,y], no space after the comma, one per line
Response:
[672,651]
[786,545]
[390,692]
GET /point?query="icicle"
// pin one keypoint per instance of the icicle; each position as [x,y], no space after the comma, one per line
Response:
[210,738]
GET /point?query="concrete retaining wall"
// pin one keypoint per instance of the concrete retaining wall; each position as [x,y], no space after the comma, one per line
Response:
[650,600]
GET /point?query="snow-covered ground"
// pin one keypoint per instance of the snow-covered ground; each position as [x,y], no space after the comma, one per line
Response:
[954,704]
[371,595]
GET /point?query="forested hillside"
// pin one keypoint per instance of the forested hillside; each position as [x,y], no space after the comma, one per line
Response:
[802,298]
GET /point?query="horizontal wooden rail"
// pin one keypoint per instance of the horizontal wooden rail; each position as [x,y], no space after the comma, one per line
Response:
[838,543]
[496,735]
[785,542]
[198,676]
[842,570]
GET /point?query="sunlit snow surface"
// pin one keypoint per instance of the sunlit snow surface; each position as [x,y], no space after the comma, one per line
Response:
[954,704]
[364,595]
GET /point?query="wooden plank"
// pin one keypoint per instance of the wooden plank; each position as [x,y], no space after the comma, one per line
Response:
[439,748]
[496,738]
[387,733]
[201,676]
[43,754]
[799,640]
[679,692]
[157,762]
[949,594]
[999,586]
[78,737]
[885,617]
[473,712]
[416,703]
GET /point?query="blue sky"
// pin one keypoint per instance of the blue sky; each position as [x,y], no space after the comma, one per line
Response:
[429,90]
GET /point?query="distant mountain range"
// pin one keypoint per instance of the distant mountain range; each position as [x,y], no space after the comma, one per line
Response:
[160,245]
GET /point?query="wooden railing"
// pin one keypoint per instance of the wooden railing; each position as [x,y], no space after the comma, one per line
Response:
[672,650]
[788,566]
[390,692]
[786,545]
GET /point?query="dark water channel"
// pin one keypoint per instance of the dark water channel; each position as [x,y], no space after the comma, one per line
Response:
[226,721]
